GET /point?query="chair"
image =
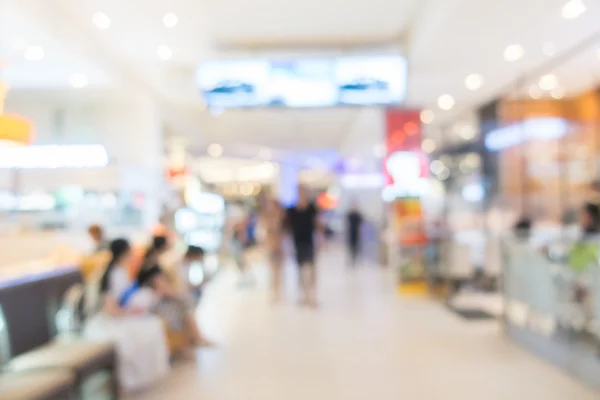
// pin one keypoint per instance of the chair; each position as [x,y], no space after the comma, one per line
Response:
[67,352]
[83,359]
[38,384]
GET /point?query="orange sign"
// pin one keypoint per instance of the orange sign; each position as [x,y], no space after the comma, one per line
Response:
[17,129]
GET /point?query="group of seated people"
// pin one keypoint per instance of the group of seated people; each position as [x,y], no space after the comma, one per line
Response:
[143,311]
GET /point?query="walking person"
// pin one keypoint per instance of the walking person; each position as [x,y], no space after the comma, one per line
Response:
[354,220]
[303,223]
[271,219]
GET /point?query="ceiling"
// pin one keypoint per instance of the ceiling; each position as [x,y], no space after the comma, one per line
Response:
[444,40]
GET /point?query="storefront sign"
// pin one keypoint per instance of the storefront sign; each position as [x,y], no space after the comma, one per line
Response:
[532,129]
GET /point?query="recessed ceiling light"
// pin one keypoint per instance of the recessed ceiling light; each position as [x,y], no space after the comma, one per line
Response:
[164,52]
[514,52]
[170,20]
[428,145]
[214,150]
[573,9]
[101,20]
[446,102]
[78,81]
[33,53]
[548,82]
[427,117]
[549,49]
[474,81]
[535,92]
[467,132]
[558,93]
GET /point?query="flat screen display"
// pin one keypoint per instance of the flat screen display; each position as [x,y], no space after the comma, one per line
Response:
[359,81]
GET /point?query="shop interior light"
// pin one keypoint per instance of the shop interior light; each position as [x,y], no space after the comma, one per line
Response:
[474,82]
[362,181]
[573,9]
[558,93]
[427,116]
[532,129]
[443,174]
[473,192]
[215,150]
[170,20]
[164,52]
[468,132]
[548,82]
[446,102]
[54,156]
[535,92]
[428,145]
[514,52]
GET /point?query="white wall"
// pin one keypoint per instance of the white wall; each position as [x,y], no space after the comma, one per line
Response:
[129,126]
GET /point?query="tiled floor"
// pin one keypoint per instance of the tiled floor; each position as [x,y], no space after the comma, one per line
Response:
[364,343]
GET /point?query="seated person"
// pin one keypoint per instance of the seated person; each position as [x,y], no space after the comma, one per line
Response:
[193,255]
[173,306]
[124,319]
[97,235]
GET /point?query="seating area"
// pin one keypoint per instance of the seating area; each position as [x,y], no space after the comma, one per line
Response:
[41,354]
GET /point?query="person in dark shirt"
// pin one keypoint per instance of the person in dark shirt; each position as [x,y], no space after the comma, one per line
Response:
[354,220]
[302,222]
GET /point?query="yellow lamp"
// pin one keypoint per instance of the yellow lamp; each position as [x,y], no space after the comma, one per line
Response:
[14,129]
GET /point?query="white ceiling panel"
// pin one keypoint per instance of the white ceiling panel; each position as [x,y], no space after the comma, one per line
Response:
[445,40]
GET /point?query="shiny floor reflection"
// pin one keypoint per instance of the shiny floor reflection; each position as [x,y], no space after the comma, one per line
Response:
[365,342]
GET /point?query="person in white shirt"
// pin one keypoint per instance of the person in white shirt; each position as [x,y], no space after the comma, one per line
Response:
[125,320]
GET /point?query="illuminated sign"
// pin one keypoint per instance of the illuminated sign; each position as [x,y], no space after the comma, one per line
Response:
[53,156]
[531,129]
[360,80]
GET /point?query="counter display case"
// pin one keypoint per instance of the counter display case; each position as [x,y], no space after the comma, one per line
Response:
[553,308]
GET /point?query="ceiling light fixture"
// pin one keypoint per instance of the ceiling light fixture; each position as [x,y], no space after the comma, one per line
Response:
[101,21]
[170,20]
[78,81]
[535,92]
[427,117]
[573,9]
[446,102]
[33,53]
[214,150]
[474,81]
[558,93]
[548,82]
[164,52]
[549,49]
[468,132]
[514,52]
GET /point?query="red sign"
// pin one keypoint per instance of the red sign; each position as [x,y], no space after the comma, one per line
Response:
[403,134]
